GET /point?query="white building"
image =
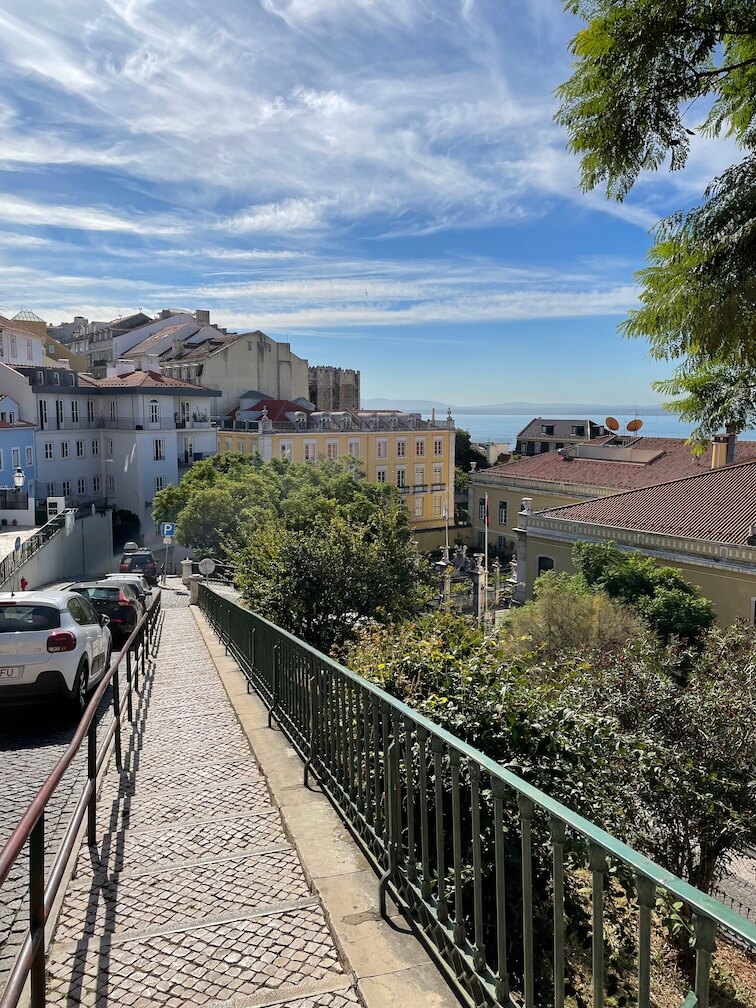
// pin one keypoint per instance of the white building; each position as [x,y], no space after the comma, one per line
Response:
[18,346]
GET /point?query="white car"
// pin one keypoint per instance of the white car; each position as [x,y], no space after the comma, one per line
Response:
[139,581]
[52,644]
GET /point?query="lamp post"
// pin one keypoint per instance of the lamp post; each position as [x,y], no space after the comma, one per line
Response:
[19,478]
[107,463]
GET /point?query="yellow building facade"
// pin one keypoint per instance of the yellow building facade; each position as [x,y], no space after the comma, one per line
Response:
[419,461]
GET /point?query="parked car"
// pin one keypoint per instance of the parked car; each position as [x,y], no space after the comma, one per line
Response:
[120,603]
[138,581]
[53,644]
[141,561]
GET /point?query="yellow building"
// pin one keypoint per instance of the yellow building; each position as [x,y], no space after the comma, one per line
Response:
[704,526]
[416,455]
[577,473]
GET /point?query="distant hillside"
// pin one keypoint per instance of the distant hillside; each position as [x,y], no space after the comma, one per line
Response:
[596,411]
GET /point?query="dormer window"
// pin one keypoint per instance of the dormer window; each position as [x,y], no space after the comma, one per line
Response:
[578,430]
[547,429]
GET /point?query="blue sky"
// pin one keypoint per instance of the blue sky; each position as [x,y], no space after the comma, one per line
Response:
[377,181]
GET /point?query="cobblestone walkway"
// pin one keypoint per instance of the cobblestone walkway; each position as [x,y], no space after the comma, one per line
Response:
[195,895]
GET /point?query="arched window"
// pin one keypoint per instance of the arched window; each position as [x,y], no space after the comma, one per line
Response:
[154,411]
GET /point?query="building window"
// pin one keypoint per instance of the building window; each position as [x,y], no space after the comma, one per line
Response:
[48,450]
[50,489]
[29,456]
[29,350]
[547,429]
[15,457]
[401,448]
[56,378]
[545,563]
[75,410]
[64,449]
[285,450]
[438,446]
[419,475]
[66,488]
[419,507]
[95,447]
[481,508]
[90,410]
[229,444]
[110,484]
[310,453]
[159,483]
[79,449]
[332,449]
[96,484]
[502,512]
[502,543]
[437,506]
[110,447]
[544,447]
[81,487]
[354,449]
[13,348]
[401,476]
[578,430]
[438,474]
[382,449]
[420,447]
[158,450]
[240,447]
[59,411]
[380,475]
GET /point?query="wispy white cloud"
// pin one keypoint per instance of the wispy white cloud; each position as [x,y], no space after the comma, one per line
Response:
[84,218]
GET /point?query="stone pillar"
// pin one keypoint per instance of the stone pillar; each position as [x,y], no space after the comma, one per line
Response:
[194,582]
[186,571]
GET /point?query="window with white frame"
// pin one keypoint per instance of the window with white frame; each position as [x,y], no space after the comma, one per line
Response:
[438,474]
[113,412]
[253,446]
[75,410]
[401,448]
[15,457]
[154,411]
[438,446]
[481,508]
[502,512]
[29,456]
[66,488]
[437,506]
[159,483]
[59,411]
[48,450]
[29,350]
[285,449]
[13,346]
[502,543]
[353,448]
[310,451]
[240,447]
[64,449]
[419,507]
[110,447]
[332,449]
[419,475]
[50,489]
[158,450]
[380,475]
[81,486]
[401,476]
[229,443]
[110,484]
[96,484]
[79,449]
[420,447]
[90,410]
[381,448]
[95,447]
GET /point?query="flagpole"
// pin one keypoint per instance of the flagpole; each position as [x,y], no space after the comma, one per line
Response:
[485,562]
[446,521]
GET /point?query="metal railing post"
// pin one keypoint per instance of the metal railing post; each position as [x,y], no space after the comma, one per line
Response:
[37,910]
[117,719]
[129,702]
[312,714]
[92,776]
[276,685]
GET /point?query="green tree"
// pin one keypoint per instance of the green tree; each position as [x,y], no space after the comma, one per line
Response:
[322,581]
[640,67]
[465,454]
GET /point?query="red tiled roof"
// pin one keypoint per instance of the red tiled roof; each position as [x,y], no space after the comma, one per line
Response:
[718,505]
[145,379]
[277,409]
[674,462]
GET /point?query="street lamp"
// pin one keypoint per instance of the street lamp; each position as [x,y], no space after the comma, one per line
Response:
[19,478]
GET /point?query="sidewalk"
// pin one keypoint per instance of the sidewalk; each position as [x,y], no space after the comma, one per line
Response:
[196,895]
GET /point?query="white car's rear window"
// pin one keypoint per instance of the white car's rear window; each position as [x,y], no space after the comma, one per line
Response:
[19,616]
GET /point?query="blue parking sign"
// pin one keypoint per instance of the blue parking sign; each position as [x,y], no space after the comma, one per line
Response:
[168,529]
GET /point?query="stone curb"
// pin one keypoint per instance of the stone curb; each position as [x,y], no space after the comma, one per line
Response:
[392,968]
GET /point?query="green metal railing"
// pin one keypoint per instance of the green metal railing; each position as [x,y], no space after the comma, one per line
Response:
[453,835]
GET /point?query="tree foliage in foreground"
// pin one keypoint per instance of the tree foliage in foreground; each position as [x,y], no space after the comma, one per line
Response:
[641,65]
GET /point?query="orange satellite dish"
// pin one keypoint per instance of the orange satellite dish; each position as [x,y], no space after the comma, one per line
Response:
[611,423]
[634,425]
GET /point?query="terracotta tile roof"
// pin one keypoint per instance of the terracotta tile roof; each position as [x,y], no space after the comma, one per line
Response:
[673,461]
[718,505]
[147,379]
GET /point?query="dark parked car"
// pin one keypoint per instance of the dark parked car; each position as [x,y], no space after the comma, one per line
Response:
[140,562]
[120,603]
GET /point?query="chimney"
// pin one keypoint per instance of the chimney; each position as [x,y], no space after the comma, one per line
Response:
[730,449]
[202,316]
[720,448]
[526,507]
[165,313]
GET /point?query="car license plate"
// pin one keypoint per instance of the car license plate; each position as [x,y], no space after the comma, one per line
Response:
[12,672]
